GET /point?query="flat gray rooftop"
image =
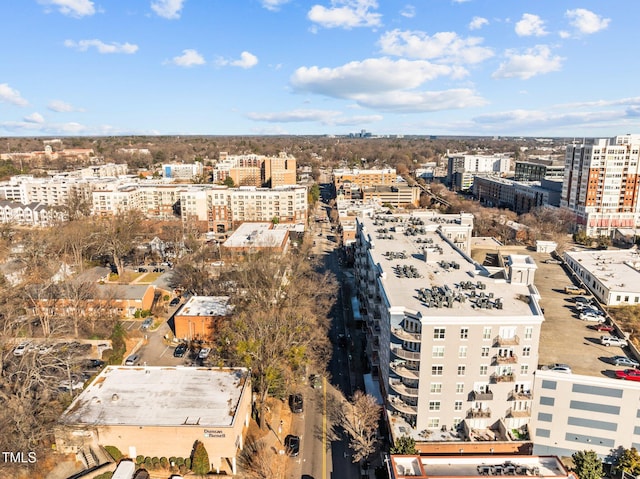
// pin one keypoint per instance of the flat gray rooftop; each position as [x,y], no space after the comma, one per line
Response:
[261,235]
[159,396]
[615,269]
[405,272]
[206,306]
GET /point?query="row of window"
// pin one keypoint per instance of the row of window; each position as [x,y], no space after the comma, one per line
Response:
[438,370]
[438,351]
[440,333]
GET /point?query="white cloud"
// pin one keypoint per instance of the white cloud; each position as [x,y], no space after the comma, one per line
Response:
[169,9]
[564,34]
[346,14]
[408,11]
[325,117]
[587,22]
[11,95]
[534,61]
[72,8]
[247,60]
[189,58]
[477,23]
[530,25]
[386,84]
[102,47]
[34,118]
[443,46]
[60,106]
[274,5]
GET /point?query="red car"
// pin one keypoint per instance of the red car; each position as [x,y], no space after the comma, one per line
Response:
[602,327]
[629,374]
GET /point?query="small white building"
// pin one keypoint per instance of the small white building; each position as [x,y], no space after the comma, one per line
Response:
[613,276]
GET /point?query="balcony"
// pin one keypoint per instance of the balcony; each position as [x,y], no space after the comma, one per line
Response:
[480,396]
[404,354]
[503,378]
[404,390]
[403,371]
[401,406]
[500,341]
[403,335]
[475,413]
[510,359]
[511,412]
[519,395]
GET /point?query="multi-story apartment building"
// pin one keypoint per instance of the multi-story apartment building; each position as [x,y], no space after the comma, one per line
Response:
[256,170]
[462,168]
[535,169]
[364,178]
[601,183]
[519,196]
[454,344]
[183,171]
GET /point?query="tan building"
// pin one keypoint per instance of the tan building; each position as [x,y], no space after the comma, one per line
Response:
[362,178]
[200,317]
[398,195]
[161,411]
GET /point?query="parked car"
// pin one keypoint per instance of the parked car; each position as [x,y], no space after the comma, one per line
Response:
[561,368]
[131,360]
[584,301]
[73,385]
[174,302]
[21,349]
[571,289]
[613,341]
[591,310]
[94,364]
[607,328]
[204,353]
[292,444]
[315,381]
[180,351]
[628,374]
[146,324]
[552,261]
[296,403]
[589,316]
[625,361]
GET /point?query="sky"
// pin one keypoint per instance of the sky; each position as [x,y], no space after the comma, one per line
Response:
[534,68]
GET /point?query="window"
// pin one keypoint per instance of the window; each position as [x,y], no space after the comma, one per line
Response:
[524,369]
[438,352]
[438,333]
[485,352]
[434,405]
[436,388]
[464,333]
[456,421]
[526,351]
[457,406]
[462,352]
[528,332]
[434,422]
[486,332]
[461,369]
[437,370]
[459,388]
[484,370]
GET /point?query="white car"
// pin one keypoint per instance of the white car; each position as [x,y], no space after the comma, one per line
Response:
[592,317]
[21,349]
[561,368]
[613,341]
[204,353]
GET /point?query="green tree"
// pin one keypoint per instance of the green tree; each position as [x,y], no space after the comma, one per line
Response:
[199,459]
[587,465]
[228,181]
[314,193]
[404,445]
[629,461]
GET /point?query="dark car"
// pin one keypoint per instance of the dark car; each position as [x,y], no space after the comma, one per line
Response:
[174,302]
[180,351]
[146,324]
[94,363]
[292,444]
[296,403]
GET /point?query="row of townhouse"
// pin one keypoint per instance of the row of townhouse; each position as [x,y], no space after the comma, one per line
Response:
[33,214]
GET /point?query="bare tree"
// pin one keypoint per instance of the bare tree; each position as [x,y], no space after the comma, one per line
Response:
[359,418]
[116,236]
[256,461]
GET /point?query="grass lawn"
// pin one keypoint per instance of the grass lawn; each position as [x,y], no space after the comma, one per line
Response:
[149,278]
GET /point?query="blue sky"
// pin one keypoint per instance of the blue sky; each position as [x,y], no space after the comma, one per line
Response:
[251,67]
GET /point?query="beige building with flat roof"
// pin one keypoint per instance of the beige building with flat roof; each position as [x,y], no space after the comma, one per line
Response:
[161,411]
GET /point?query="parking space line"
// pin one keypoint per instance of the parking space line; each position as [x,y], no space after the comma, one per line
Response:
[165,350]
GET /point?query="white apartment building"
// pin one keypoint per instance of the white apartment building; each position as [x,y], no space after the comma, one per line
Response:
[183,171]
[453,343]
[601,183]
[462,168]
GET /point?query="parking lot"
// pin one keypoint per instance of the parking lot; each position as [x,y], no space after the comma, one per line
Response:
[565,338]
